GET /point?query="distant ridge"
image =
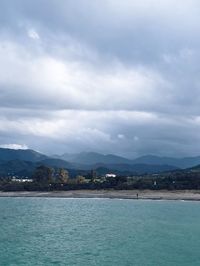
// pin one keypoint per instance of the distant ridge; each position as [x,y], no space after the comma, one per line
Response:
[183,163]
[114,163]
[23,162]
[94,158]
[25,155]
[129,169]
[97,158]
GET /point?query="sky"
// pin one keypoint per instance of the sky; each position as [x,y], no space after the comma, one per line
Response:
[108,76]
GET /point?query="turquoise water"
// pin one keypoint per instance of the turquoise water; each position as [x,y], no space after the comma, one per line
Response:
[84,232]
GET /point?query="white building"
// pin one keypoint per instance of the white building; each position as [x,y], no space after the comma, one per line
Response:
[110,175]
[22,180]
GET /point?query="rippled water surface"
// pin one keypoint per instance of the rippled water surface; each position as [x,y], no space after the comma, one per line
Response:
[84,232]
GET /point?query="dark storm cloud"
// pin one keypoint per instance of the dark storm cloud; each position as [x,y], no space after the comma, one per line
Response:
[101,75]
[130,30]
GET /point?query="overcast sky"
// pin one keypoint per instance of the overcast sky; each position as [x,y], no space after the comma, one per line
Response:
[109,76]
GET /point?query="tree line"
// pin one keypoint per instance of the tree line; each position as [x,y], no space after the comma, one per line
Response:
[49,179]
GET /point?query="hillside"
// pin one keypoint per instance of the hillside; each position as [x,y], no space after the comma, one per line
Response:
[90,158]
[177,162]
[24,155]
[23,162]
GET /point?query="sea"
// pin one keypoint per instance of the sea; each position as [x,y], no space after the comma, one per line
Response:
[103,232]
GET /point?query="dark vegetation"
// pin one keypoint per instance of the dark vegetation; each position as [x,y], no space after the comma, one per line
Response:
[49,174]
[49,179]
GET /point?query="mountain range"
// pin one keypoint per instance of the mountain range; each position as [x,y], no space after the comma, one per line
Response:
[89,158]
[23,163]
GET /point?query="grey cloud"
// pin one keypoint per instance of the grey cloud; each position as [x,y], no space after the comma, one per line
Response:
[100,75]
[130,29]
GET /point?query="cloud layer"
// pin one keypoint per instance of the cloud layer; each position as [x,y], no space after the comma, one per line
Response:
[102,76]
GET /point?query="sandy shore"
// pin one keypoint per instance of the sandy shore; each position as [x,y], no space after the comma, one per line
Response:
[113,194]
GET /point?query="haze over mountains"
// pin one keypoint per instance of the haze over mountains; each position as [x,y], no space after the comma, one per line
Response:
[96,158]
[23,163]
[93,158]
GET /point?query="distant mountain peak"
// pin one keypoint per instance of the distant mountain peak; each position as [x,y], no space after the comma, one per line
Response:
[93,158]
[7,154]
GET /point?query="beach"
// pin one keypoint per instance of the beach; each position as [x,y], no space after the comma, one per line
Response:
[112,194]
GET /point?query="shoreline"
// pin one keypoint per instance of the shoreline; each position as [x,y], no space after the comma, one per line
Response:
[187,195]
